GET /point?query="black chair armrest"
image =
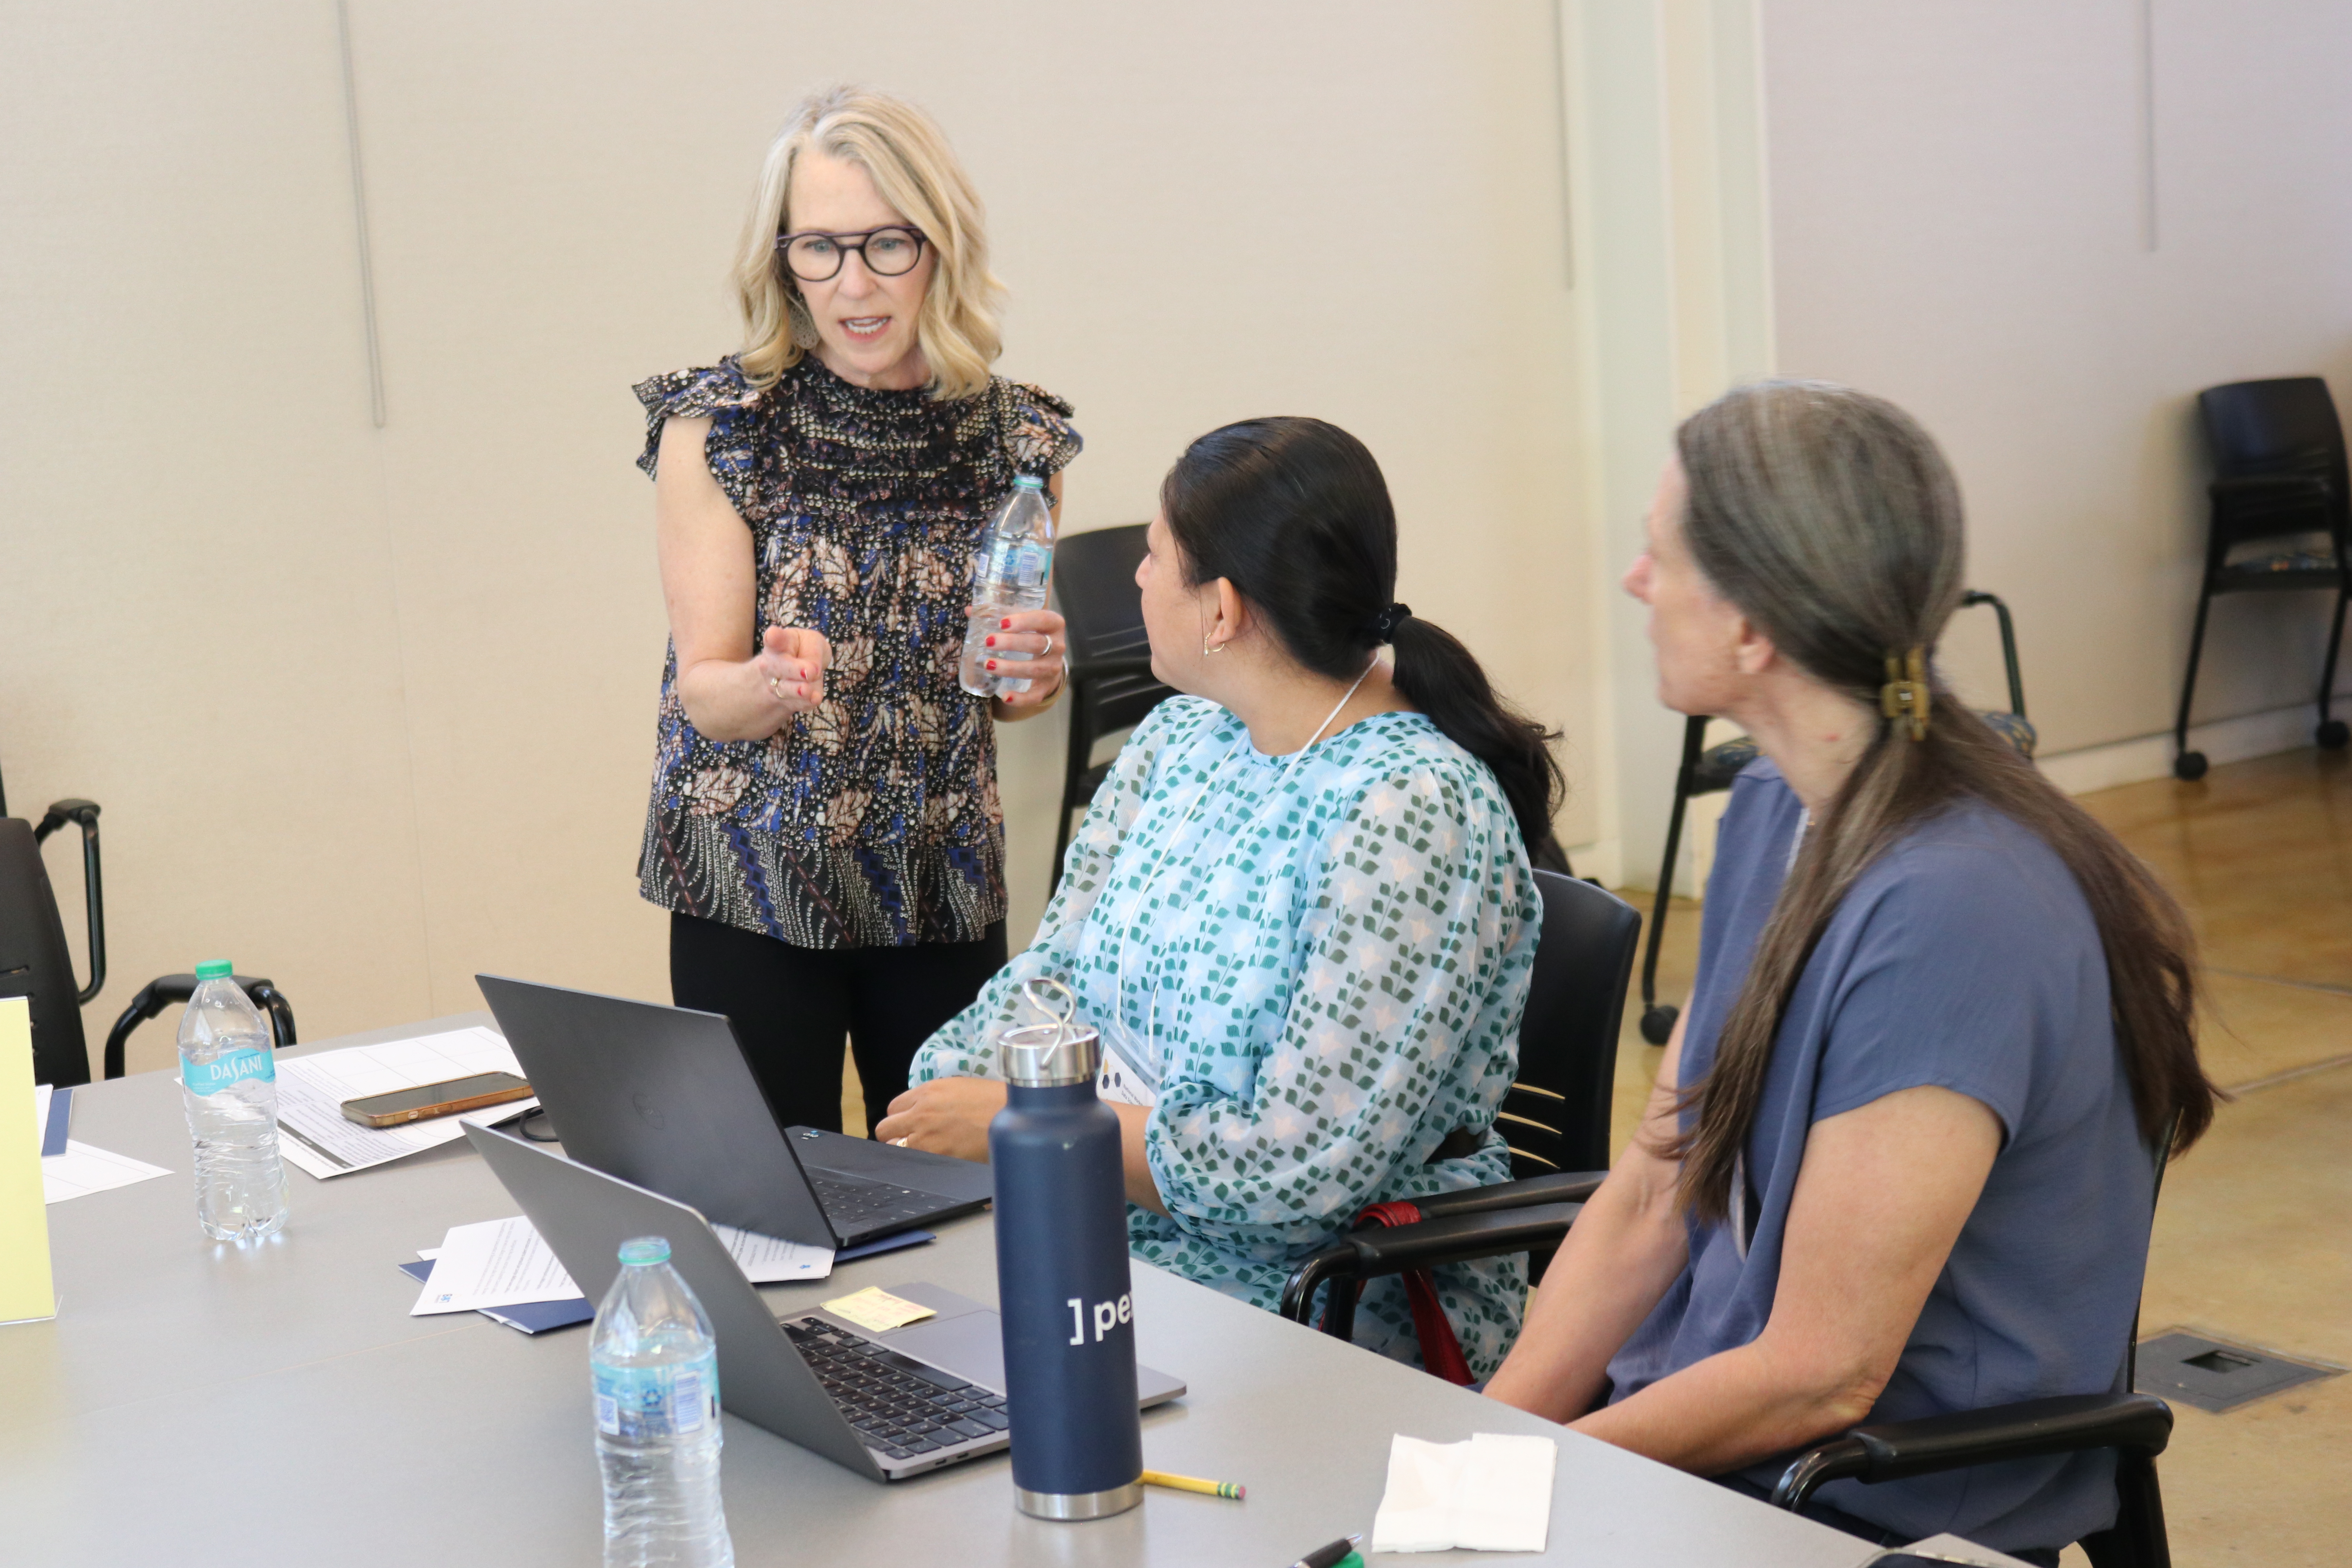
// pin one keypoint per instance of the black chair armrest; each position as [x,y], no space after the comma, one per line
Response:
[1557,1187]
[2269,488]
[2135,1423]
[166,989]
[1460,1238]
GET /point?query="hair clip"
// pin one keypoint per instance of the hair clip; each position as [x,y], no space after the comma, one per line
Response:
[1905,695]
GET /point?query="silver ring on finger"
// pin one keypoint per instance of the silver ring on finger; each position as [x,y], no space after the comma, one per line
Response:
[774,689]
[1048,648]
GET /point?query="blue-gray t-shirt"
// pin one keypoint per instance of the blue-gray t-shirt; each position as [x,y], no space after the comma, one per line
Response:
[1964,957]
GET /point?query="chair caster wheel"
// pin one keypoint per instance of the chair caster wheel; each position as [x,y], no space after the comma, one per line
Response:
[2332,735]
[2189,765]
[1658,1024]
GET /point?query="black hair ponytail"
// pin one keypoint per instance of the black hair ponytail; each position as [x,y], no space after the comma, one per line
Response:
[1294,512]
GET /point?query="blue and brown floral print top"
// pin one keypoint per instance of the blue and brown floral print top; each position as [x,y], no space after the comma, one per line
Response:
[1322,960]
[872,821]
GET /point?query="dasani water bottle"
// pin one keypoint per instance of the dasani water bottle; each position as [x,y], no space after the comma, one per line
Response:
[655,1369]
[229,1085]
[1008,574]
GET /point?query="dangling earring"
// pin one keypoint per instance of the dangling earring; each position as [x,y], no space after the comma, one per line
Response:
[804,325]
[1209,648]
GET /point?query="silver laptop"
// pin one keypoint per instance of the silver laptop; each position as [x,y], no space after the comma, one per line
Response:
[886,1406]
[663,1097]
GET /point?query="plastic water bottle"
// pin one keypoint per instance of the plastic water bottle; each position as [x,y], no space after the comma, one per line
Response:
[1008,574]
[1064,1300]
[229,1085]
[655,1369]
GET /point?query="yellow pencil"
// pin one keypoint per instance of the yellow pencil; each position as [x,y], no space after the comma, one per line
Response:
[1194,1484]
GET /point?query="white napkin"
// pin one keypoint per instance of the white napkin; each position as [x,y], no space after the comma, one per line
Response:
[1490,1494]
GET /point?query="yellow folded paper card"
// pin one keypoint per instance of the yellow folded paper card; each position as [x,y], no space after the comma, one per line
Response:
[26,1290]
[877,1309]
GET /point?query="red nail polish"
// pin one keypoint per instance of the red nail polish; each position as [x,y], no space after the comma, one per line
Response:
[992,664]
[992,642]
[1005,624]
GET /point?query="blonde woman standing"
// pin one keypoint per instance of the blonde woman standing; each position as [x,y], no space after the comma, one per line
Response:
[824,827]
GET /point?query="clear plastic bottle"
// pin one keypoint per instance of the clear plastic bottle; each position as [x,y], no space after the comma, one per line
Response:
[1008,572]
[228,1085]
[655,1369]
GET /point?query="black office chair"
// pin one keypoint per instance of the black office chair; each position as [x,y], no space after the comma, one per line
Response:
[2136,1425]
[1706,769]
[34,961]
[36,965]
[1110,683]
[1555,1117]
[2278,473]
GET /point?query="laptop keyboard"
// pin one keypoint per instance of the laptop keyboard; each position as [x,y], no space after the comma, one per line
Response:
[855,1205]
[897,1404]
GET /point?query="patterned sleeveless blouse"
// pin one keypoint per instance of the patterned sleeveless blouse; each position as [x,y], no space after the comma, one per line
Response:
[872,821]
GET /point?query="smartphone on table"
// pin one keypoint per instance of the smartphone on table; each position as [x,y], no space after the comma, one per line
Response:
[429,1100]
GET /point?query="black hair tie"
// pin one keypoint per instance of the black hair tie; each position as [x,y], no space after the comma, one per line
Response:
[1384,627]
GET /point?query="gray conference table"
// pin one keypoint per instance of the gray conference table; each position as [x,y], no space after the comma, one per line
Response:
[195,1404]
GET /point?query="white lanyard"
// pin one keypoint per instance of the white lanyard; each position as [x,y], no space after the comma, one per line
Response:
[1125,927]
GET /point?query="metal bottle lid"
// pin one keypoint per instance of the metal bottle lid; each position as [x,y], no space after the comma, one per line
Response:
[1048,1056]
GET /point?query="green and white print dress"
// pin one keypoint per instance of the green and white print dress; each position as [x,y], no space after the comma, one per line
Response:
[1322,958]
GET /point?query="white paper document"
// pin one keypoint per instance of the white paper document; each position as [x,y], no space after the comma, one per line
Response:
[316,1136]
[503,1263]
[765,1260]
[498,1263]
[82,1170]
[1492,1493]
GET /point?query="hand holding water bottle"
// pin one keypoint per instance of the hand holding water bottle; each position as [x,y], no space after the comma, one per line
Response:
[1010,637]
[1012,647]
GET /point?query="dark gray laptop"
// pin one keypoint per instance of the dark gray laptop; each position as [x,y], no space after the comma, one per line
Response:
[663,1097]
[886,1406]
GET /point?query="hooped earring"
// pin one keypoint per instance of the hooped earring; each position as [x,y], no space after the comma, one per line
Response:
[1209,648]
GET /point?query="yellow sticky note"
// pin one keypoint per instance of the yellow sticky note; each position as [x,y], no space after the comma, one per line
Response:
[877,1309]
[27,1289]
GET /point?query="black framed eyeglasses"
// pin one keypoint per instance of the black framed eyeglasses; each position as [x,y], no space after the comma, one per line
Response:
[888,252]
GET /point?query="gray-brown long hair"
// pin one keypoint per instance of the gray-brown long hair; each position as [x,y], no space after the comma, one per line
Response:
[1830,519]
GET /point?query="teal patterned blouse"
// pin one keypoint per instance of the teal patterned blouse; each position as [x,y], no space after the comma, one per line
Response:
[1322,960]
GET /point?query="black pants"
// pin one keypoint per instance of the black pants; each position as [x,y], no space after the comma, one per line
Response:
[792,1006]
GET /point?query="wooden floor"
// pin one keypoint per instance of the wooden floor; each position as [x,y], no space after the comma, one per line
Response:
[2253,1237]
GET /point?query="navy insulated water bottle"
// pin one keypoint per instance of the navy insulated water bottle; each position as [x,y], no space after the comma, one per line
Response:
[1062,1281]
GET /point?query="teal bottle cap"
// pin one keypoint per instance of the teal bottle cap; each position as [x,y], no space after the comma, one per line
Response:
[216,968]
[1027,482]
[640,1251]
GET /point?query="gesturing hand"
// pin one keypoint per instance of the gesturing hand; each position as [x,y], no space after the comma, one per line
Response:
[791,664]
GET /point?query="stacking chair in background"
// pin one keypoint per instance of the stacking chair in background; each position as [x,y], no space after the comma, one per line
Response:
[36,965]
[1555,1118]
[2278,475]
[1708,769]
[1110,659]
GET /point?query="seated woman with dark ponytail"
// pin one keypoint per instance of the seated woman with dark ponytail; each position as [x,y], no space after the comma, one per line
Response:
[1901,1157]
[1300,908]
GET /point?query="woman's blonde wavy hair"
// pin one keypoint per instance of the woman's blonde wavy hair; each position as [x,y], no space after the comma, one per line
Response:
[908,159]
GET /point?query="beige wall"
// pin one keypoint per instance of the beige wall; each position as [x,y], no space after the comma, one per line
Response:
[370,709]
[1959,223]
